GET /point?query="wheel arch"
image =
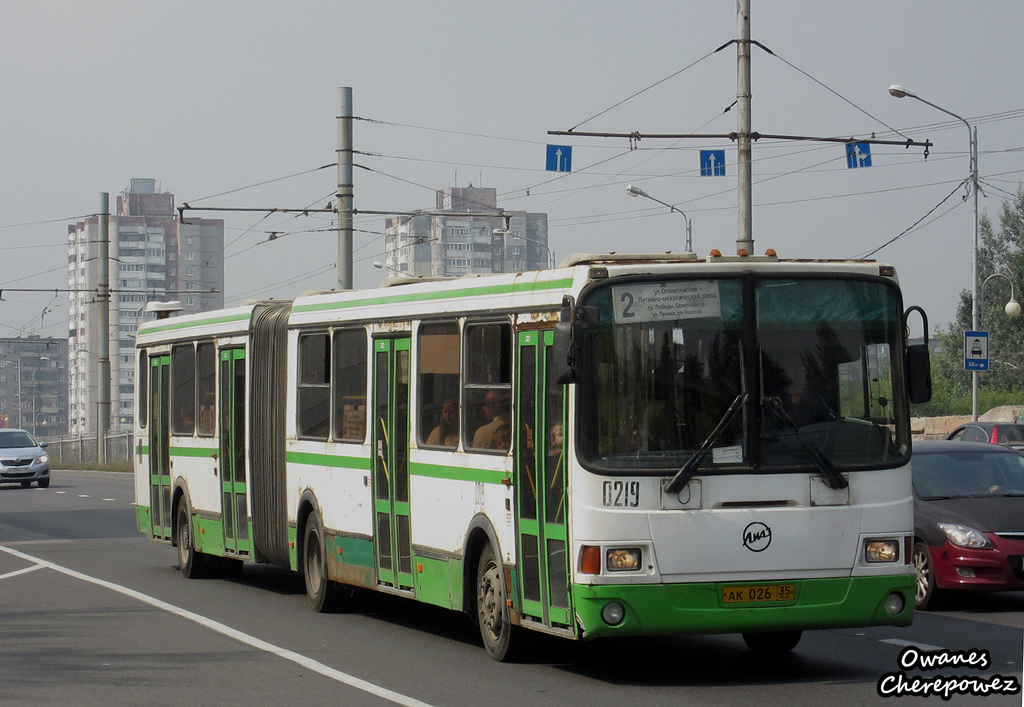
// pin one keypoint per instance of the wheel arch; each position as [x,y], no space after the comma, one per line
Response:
[479,535]
[308,505]
[179,492]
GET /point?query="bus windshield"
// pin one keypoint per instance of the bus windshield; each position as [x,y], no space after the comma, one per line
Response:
[815,361]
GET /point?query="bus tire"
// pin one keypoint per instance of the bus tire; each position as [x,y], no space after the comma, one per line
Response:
[193,564]
[502,640]
[324,595]
[772,641]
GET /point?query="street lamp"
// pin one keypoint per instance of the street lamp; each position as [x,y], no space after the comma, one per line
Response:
[637,191]
[972,133]
[1012,307]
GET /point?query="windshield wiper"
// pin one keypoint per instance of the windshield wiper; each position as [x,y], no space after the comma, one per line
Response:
[832,476]
[688,469]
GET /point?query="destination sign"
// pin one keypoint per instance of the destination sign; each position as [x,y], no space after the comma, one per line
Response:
[645,302]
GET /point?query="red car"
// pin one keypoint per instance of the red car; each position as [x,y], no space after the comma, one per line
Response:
[968,519]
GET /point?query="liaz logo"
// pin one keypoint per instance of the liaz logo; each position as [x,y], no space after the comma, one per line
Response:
[757,537]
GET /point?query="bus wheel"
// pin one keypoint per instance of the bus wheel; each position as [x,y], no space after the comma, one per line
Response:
[772,641]
[501,639]
[191,563]
[324,595]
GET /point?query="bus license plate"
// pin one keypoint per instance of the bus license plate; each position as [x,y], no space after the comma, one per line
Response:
[758,593]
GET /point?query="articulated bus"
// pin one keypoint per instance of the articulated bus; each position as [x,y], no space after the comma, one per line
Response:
[624,445]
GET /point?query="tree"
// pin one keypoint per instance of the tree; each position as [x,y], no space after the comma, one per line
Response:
[999,251]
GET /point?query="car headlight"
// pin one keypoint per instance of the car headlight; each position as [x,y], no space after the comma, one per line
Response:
[43,458]
[965,536]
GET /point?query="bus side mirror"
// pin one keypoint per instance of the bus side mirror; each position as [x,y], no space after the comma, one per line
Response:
[919,364]
[919,373]
[573,321]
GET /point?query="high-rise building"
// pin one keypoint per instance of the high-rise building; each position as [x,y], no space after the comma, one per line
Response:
[33,385]
[467,234]
[153,257]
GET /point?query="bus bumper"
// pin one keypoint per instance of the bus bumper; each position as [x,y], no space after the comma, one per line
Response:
[701,607]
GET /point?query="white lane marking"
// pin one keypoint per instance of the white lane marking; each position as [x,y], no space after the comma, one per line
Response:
[109,499]
[922,646]
[225,630]
[33,568]
[83,495]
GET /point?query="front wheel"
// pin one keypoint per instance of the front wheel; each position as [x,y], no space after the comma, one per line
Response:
[772,641]
[502,640]
[926,594]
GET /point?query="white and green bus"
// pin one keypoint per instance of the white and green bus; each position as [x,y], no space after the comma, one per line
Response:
[624,445]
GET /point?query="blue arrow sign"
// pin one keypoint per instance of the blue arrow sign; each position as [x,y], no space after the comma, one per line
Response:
[712,163]
[975,350]
[559,158]
[858,154]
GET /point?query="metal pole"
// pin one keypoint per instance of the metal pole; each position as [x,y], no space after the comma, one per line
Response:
[975,303]
[103,349]
[745,239]
[345,189]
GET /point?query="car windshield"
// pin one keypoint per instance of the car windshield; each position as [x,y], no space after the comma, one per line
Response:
[15,439]
[968,474]
[1010,433]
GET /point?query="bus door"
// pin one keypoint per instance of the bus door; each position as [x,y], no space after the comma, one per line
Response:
[391,462]
[540,483]
[159,445]
[231,429]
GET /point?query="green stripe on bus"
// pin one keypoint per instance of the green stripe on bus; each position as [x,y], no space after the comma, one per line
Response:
[428,296]
[360,463]
[157,328]
[193,451]
[459,473]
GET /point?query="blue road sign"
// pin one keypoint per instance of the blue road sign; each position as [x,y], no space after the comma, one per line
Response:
[858,154]
[712,163]
[975,350]
[559,158]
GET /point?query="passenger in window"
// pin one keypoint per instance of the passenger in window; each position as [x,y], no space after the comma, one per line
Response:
[446,434]
[488,435]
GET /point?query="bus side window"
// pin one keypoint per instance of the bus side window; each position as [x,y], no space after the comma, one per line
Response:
[488,386]
[206,360]
[438,371]
[183,389]
[314,386]
[350,385]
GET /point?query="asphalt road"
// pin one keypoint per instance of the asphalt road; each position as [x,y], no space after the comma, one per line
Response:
[92,613]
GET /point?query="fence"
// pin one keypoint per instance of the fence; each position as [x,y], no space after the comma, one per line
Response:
[83,450]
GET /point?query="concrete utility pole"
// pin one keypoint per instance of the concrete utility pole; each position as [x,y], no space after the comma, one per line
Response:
[103,303]
[344,201]
[745,239]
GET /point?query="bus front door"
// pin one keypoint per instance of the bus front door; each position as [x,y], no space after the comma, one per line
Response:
[393,537]
[159,446]
[231,429]
[541,486]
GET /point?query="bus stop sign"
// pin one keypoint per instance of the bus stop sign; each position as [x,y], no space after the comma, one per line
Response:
[975,350]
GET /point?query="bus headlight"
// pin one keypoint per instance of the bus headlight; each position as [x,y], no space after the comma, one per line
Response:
[881,551]
[623,559]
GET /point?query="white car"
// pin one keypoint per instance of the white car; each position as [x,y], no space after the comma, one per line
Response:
[23,459]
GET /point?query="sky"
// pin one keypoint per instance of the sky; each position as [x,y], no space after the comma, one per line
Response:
[233,105]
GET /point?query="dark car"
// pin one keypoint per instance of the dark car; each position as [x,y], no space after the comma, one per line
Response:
[968,519]
[23,459]
[1008,434]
